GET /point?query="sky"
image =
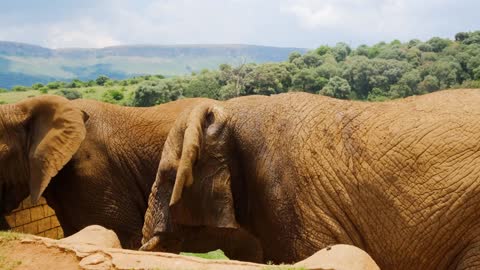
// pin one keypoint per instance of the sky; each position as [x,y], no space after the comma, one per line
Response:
[284,23]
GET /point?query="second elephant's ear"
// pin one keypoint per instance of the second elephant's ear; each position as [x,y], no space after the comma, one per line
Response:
[202,193]
[55,130]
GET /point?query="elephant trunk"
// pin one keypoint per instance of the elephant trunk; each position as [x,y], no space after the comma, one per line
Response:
[156,216]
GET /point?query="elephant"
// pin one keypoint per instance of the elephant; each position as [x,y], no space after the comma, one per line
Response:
[399,179]
[94,162]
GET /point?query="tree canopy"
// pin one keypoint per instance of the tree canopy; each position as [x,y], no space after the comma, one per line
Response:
[378,72]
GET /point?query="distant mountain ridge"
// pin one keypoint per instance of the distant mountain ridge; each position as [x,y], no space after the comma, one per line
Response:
[24,64]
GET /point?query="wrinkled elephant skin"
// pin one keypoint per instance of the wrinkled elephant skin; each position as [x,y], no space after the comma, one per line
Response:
[398,179]
[94,162]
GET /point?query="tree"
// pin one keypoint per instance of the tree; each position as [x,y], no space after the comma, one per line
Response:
[377,94]
[294,55]
[411,79]
[155,92]
[307,80]
[425,47]
[311,59]
[461,36]
[429,84]
[400,90]
[269,78]
[204,84]
[337,87]
[341,51]
[438,44]
[322,50]
[101,80]
[357,71]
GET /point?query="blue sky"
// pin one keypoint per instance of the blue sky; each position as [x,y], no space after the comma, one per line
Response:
[286,23]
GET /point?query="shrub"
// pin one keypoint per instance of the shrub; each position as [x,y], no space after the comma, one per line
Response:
[70,94]
[43,90]
[3,90]
[102,79]
[37,86]
[110,83]
[76,83]
[90,83]
[112,96]
[53,85]
[19,88]
[90,91]
[336,87]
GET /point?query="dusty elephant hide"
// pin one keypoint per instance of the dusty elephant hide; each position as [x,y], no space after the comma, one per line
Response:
[399,179]
[95,162]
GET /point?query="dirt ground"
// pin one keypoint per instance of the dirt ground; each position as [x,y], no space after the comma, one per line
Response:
[27,256]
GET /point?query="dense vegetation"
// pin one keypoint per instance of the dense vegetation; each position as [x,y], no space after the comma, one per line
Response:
[379,72]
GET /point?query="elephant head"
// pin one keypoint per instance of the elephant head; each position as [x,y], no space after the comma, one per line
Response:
[38,136]
[194,184]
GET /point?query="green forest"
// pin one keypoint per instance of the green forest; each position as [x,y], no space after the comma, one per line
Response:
[379,72]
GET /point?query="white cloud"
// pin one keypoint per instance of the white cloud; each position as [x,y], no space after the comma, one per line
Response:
[326,15]
[84,32]
[302,23]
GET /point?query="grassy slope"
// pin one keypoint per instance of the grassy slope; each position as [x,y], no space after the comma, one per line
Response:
[95,92]
[24,64]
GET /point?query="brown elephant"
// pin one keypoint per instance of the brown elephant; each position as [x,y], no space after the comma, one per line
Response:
[398,179]
[94,162]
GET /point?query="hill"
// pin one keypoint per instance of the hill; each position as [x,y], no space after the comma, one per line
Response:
[25,64]
[379,72]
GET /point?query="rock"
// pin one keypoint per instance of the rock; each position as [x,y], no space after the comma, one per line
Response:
[96,248]
[339,257]
[97,261]
[93,235]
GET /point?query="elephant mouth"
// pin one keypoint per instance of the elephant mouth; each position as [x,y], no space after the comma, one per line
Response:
[164,242]
[6,206]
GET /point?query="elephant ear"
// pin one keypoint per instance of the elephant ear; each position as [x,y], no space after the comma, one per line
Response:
[194,164]
[202,194]
[55,130]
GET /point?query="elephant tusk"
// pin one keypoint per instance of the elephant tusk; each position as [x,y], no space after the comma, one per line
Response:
[151,244]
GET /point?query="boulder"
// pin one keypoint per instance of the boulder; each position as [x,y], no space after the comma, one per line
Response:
[339,257]
[94,235]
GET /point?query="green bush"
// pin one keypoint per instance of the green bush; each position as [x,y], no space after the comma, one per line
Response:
[70,94]
[150,93]
[112,96]
[75,84]
[102,79]
[53,85]
[43,90]
[90,91]
[3,90]
[109,83]
[19,88]
[37,86]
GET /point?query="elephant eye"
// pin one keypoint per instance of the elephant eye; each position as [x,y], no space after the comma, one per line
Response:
[3,149]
